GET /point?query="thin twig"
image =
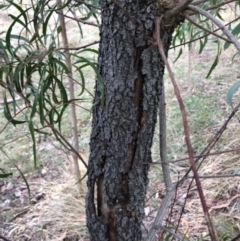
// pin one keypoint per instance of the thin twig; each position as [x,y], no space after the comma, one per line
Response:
[214,140]
[161,214]
[163,140]
[179,8]
[217,176]
[206,151]
[79,20]
[193,40]
[81,47]
[186,131]
[9,121]
[199,2]
[66,141]
[218,23]
[207,30]
[219,5]
[9,142]
[197,156]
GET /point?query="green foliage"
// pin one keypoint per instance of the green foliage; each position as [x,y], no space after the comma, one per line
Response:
[33,65]
[189,32]
[231,92]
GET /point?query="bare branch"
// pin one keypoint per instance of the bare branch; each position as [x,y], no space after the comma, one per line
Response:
[207,30]
[186,131]
[81,47]
[198,156]
[161,214]
[79,20]
[9,121]
[163,140]
[179,8]
[218,176]
[218,23]
[193,40]
[219,5]
[199,2]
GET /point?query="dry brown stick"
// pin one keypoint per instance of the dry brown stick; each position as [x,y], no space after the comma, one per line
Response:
[186,131]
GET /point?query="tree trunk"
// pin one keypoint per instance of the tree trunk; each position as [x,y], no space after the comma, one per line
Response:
[123,122]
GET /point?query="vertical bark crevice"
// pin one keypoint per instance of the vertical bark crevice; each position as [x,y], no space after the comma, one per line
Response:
[122,130]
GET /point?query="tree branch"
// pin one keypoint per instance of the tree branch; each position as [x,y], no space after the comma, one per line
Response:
[218,23]
[161,214]
[186,131]
[193,40]
[81,47]
[207,30]
[163,140]
[218,176]
[79,20]
[199,2]
[179,8]
[219,5]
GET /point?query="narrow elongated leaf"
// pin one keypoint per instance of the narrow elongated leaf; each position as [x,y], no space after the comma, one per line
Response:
[202,44]
[61,64]
[231,92]
[64,5]
[8,114]
[5,175]
[17,20]
[235,31]
[25,180]
[99,77]
[45,24]
[179,54]
[34,106]
[83,81]
[61,87]
[41,106]
[89,50]
[213,66]
[31,129]
[19,37]
[23,12]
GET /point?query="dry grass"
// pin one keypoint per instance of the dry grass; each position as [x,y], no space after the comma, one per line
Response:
[205,100]
[58,215]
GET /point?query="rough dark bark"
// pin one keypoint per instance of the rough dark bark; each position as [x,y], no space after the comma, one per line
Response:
[123,126]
